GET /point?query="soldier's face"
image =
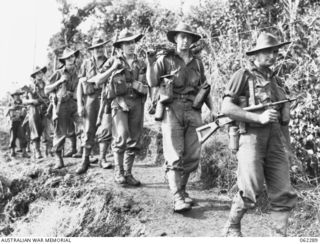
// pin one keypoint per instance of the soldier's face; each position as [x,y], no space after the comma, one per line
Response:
[70,61]
[98,51]
[183,41]
[39,83]
[267,57]
[128,48]
[39,76]
[16,97]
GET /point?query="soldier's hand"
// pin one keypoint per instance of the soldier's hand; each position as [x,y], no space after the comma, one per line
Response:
[150,56]
[81,111]
[116,64]
[269,116]
[213,116]
[62,79]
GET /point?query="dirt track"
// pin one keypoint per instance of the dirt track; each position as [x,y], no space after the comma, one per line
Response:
[152,214]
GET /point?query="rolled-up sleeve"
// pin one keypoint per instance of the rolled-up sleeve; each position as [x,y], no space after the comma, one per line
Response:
[83,69]
[237,85]
[159,68]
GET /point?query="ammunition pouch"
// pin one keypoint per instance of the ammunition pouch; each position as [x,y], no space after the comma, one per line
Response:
[118,84]
[201,96]
[140,88]
[88,88]
[285,114]
[159,111]
[66,97]
[234,137]
[166,91]
[110,95]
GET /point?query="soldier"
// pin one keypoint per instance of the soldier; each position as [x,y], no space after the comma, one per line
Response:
[127,89]
[17,113]
[181,115]
[89,97]
[38,103]
[261,155]
[64,83]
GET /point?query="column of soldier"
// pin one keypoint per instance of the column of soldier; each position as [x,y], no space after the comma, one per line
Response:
[122,82]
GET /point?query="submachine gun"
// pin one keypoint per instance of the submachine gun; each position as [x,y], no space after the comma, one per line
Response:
[205,131]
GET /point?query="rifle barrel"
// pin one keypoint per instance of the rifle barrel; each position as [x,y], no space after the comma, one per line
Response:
[259,106]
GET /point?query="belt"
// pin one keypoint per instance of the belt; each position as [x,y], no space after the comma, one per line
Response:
[97,90]
[189,97]
[131,94]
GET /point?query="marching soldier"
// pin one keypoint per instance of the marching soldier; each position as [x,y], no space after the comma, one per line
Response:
[38,103]
[64,83]
[182,75]
[89,97]
[261,155]
[127,89]
[17,113]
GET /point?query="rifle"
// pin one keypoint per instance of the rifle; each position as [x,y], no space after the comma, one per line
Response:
[54,105]
[103,101]
[205,131]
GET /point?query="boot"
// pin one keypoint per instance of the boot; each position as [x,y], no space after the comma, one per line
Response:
[279,223]
[103,163]
[28,148]
[128,163]
[184,181]
[48,150]
[24,153]
[12,152]
[59,163]
[237,211]
[118,170]
[79,153]
[37,152]
[85,162]
[73,149]
[174,179]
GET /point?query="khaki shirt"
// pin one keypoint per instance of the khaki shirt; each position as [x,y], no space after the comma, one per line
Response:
[134,71]
[89,69]
[16,111]
[39,94]
[265,85]
[69,87]
[188,79]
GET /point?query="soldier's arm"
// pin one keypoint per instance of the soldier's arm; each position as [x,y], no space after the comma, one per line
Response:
[8,111]
[142,72]
[209,103]
[229,107]
[79,97]
[30,100]
[55,80]
[155,68]
[101,78]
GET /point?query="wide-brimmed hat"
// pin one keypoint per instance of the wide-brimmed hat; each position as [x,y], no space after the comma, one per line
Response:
[265,41]
[183,28]
[97,42]
[67,53]
[127,36]
[16,92]
[37,70]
